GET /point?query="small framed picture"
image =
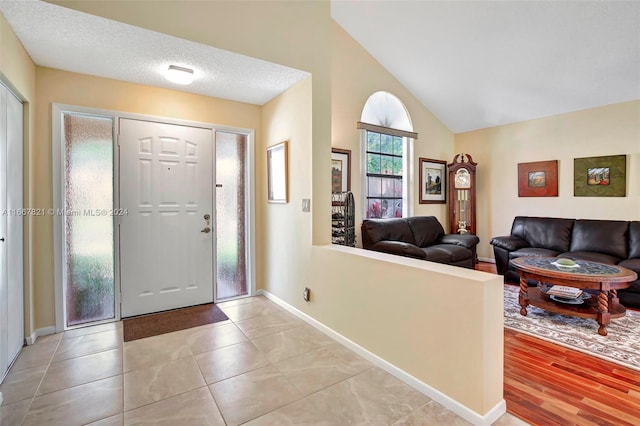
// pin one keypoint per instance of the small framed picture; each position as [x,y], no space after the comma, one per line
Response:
[433,178]
[538,179]
[340,170]
[277,173]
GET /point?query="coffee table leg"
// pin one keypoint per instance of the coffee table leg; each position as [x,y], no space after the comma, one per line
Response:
[604,317]
[523,296]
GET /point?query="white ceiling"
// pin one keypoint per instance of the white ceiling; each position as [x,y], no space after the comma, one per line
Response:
[66,39]
[474,64]
[477,64]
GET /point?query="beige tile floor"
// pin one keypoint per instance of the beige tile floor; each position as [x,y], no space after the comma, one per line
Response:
[263,366]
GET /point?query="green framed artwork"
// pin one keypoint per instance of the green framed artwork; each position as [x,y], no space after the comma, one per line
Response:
[600,176]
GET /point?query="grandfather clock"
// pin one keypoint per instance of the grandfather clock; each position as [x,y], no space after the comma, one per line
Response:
[462,194]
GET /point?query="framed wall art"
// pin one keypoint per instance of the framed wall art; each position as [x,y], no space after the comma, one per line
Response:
[538,179]
[433,178]
[600,176]
[277,173]
[340,170]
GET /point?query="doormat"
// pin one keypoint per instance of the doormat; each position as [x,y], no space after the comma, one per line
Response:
[620,346]
[168,321]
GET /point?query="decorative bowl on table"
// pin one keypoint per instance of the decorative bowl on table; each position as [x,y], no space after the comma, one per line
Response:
[565,264]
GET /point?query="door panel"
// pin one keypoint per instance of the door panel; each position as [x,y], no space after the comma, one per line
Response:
[166,188]
[231,216]
[4,290]
[15,338]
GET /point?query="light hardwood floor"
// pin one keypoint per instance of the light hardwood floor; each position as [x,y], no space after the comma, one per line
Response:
[547,384]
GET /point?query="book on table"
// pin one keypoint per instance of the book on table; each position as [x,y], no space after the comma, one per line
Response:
[564,291]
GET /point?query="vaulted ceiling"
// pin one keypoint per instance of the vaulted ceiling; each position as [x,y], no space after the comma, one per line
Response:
[478,64]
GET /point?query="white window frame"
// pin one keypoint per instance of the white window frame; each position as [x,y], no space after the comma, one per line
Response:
[407,174]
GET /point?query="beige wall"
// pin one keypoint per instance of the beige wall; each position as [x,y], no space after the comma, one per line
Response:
[441,324]
[19,74]
[608,130]
[356,75]
[351,287]
[286,244]
[55,86]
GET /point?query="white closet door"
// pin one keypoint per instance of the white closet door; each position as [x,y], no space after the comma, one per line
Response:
[11,223]
[15,311]
[4,288]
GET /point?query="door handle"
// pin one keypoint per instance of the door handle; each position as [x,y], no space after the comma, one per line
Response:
[206,230]
[2,239]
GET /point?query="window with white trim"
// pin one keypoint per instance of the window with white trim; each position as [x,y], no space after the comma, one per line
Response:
[386,141]
[385,168]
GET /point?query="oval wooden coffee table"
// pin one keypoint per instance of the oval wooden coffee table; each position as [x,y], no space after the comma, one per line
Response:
[605,279]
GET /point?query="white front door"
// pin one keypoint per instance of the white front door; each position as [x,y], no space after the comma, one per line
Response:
[166,195]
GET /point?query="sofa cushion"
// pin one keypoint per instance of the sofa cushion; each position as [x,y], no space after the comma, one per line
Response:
[463,240]
[426,230]
[634,240]
[446,253]
[375,230]
[591,257]
[549,233]
[631,296]
[398,248]
[533,251]
[600,236]
[633,264]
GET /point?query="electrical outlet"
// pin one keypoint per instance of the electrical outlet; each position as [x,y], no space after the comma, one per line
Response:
[306,294]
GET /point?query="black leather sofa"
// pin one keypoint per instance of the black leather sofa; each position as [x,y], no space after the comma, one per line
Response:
[420,237]
[613,242]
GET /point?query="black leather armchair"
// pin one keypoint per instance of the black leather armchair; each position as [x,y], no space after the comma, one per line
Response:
[420,237]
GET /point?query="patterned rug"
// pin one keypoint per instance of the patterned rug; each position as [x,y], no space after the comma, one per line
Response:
[620,346]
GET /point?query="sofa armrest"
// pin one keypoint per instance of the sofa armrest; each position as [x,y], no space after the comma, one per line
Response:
[509,243]
[466,240]
[400,248]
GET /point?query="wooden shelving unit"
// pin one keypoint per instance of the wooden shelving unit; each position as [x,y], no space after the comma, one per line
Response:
[343,230]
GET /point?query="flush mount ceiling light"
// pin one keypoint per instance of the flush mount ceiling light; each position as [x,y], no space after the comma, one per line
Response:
[179,75]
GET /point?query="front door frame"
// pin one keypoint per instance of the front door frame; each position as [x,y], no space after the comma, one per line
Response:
[58,198]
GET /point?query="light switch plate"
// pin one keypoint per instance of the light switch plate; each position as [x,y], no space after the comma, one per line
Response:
[306,205]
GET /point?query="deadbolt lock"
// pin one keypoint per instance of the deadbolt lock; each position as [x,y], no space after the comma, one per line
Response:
[207,216]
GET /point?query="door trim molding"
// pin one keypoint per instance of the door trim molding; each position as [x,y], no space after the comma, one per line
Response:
[57,110]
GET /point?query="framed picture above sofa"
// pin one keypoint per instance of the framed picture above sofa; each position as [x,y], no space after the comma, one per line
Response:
[538,179]
[600,176]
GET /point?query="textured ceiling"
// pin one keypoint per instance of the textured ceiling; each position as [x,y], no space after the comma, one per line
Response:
[477,64]
[66,39]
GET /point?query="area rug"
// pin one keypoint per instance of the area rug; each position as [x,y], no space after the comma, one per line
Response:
[168,321]
[620,346]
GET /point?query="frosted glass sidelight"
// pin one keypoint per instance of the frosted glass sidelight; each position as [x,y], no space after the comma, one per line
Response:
[231,229]
[88,225]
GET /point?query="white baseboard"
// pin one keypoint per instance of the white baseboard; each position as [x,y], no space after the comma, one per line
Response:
[451,404]
[486,259]
[45,331]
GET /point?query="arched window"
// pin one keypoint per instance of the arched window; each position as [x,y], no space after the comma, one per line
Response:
[386,145]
